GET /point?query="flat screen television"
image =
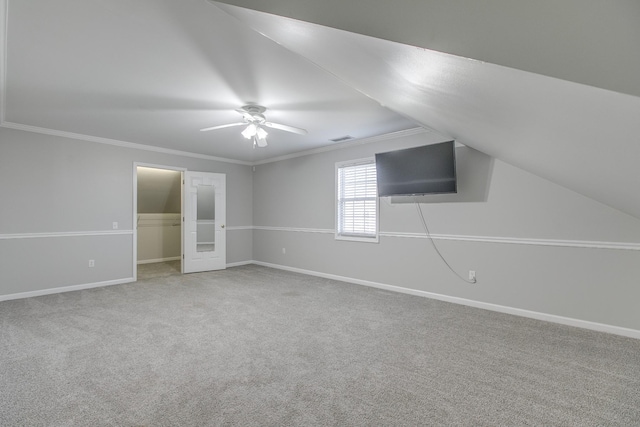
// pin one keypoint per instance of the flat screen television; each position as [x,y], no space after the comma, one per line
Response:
[429,169]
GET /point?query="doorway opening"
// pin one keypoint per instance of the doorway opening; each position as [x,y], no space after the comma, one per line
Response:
[158,221]
[179,217]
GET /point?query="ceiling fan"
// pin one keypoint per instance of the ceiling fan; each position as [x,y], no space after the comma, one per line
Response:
[255,122]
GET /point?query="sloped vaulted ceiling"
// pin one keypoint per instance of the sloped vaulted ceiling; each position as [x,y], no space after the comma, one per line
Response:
[551,88]
[585,41]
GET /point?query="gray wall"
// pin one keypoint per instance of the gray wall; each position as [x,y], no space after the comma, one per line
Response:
[294,209]
[59,186]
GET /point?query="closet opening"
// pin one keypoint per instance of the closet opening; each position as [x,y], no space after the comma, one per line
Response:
[158,221]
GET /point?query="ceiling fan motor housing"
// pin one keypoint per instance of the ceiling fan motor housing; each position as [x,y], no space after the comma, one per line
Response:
[253,113]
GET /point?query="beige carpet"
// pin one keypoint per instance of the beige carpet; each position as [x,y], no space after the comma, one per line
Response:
[252,346]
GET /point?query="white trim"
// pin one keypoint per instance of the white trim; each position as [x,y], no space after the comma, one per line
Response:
[297,230]
[521,241]
[585,324]
[238,264]
[240,227]
[336,198]
[118,143]
[347,144]
[138,146]
[462,238]
[357,238]
[134,219]
[153,261]
[600,327]
[156,166]
[356,162]
[50,291]
[482,239]
[65,234]
[136,165]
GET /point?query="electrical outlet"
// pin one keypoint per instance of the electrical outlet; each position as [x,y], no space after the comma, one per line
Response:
[115,225]
[284,250]
[92,263]
[472,276]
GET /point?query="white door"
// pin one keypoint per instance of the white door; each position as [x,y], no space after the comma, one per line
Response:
[204,221]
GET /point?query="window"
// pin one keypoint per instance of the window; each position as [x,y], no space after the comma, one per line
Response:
[357,201]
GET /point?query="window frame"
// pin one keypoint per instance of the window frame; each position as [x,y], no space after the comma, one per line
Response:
[354,237]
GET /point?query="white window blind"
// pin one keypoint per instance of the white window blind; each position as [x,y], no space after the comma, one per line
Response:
[357,200]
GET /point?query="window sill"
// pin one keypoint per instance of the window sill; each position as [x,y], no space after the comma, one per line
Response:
[355,238]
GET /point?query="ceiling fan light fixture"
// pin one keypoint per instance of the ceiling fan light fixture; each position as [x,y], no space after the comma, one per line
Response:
[259,142]
[250,131]
[261,133]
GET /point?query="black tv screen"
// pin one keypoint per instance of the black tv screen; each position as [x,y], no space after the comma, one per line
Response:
[429,169]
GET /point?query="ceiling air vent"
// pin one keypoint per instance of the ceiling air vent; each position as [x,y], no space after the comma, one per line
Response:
[342,138]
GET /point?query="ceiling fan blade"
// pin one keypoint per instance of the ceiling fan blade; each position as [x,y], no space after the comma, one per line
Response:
[222,126]
[286,128]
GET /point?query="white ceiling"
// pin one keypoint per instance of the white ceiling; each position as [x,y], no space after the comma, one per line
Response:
[155,71]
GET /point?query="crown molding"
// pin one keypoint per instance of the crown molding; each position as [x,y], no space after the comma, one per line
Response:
[137,146]
[347,144]
[118,143]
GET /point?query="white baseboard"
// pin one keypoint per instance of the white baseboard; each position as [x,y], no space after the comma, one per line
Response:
[50,291]
[152,261]
[617,330]
[238,264]
[177,258]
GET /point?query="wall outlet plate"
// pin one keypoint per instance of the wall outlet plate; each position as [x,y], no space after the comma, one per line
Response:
[472,276]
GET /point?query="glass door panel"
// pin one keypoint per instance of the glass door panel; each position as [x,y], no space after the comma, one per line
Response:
[206,218]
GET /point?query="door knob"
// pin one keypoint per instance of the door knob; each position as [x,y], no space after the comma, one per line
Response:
[222,226]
